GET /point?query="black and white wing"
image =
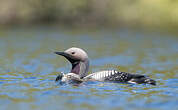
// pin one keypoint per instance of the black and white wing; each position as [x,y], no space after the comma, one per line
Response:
[99,76]
[120,77]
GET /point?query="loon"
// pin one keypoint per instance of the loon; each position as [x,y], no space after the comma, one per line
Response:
[80,65]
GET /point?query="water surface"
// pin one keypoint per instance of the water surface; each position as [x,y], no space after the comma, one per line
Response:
[28,68]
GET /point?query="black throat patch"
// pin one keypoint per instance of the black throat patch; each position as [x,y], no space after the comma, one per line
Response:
[75,67]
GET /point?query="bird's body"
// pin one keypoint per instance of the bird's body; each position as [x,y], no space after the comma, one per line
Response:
[80,66]
[108,76]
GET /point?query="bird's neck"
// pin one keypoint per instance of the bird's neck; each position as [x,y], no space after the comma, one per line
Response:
[80,68]
[75,68]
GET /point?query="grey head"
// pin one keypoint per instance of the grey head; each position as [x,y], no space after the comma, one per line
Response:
[79,60]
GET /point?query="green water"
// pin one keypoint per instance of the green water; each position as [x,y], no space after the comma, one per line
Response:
[28,68]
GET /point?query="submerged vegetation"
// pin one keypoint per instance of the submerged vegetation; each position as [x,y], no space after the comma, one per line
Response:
[151,14]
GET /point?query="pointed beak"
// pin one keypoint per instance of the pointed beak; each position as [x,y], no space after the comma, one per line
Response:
[67,56]
[64,54]
[61,53]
